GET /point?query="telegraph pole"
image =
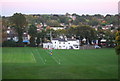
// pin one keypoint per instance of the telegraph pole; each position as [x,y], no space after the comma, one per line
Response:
[50,35]
[118,20]
[119,14]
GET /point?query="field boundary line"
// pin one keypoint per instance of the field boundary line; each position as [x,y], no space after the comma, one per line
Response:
[56,57]
[33,57]
[40,56]
[56,60]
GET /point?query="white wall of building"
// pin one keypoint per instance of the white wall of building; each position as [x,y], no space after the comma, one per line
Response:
[73,44]
[56,44]
[47,45]
[57,28]
[62,45]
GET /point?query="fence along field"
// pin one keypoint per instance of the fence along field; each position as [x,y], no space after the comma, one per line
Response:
[36,63]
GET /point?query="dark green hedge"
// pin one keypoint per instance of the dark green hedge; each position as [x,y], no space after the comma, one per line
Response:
[9,43]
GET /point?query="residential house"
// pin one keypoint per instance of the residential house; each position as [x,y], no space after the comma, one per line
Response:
[58,43]
[12,35]
[57,28]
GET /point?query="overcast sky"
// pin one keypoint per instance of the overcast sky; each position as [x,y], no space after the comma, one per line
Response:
[9,7]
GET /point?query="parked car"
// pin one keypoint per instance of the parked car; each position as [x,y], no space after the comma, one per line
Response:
[97,47]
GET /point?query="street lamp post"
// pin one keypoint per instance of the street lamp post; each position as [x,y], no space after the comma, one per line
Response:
[119,20]
[119,14]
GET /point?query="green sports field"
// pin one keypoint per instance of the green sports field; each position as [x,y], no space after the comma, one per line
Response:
[36,63]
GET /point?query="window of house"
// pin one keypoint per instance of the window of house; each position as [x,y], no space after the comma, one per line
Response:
[76,46]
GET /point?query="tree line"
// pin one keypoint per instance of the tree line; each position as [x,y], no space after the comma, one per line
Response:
[79,28]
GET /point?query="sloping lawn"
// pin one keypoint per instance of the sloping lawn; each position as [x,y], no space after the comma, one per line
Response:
[36,63]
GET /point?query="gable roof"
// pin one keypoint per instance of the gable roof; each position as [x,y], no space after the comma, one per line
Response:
[63,40]
[69,39]
[59,39]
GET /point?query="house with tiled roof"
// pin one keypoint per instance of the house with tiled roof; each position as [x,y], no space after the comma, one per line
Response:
[61,43]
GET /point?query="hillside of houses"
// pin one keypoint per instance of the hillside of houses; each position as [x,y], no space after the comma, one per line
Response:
[62,31]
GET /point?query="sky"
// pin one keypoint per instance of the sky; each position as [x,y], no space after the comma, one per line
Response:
[9,7]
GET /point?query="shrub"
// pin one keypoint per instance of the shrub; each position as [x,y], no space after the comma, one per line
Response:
[117,48]
[9,43]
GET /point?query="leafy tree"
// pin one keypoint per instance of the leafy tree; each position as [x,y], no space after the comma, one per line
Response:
[42,36]
[19,22]
[106,34]
[54,33]
[9,43]
[30,19]
[111,19]
[4,23]
[98,16]
[71,32]
[38,39]
[61,32]
[117,48]
[53,23]
[55,17]
[110,37]
[62,19]
[93,22]
[86,32]
[68,21]
[32,31]
[100,35]
[81,32]
[43,19]
[75,22]
[99,28]
[79,19]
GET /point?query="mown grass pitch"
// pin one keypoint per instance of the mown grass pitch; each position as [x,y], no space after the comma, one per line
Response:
[36,63]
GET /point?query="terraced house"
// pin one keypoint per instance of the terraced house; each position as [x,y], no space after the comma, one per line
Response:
[61,43]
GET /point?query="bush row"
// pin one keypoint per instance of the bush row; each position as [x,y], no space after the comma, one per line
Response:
[10,43]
